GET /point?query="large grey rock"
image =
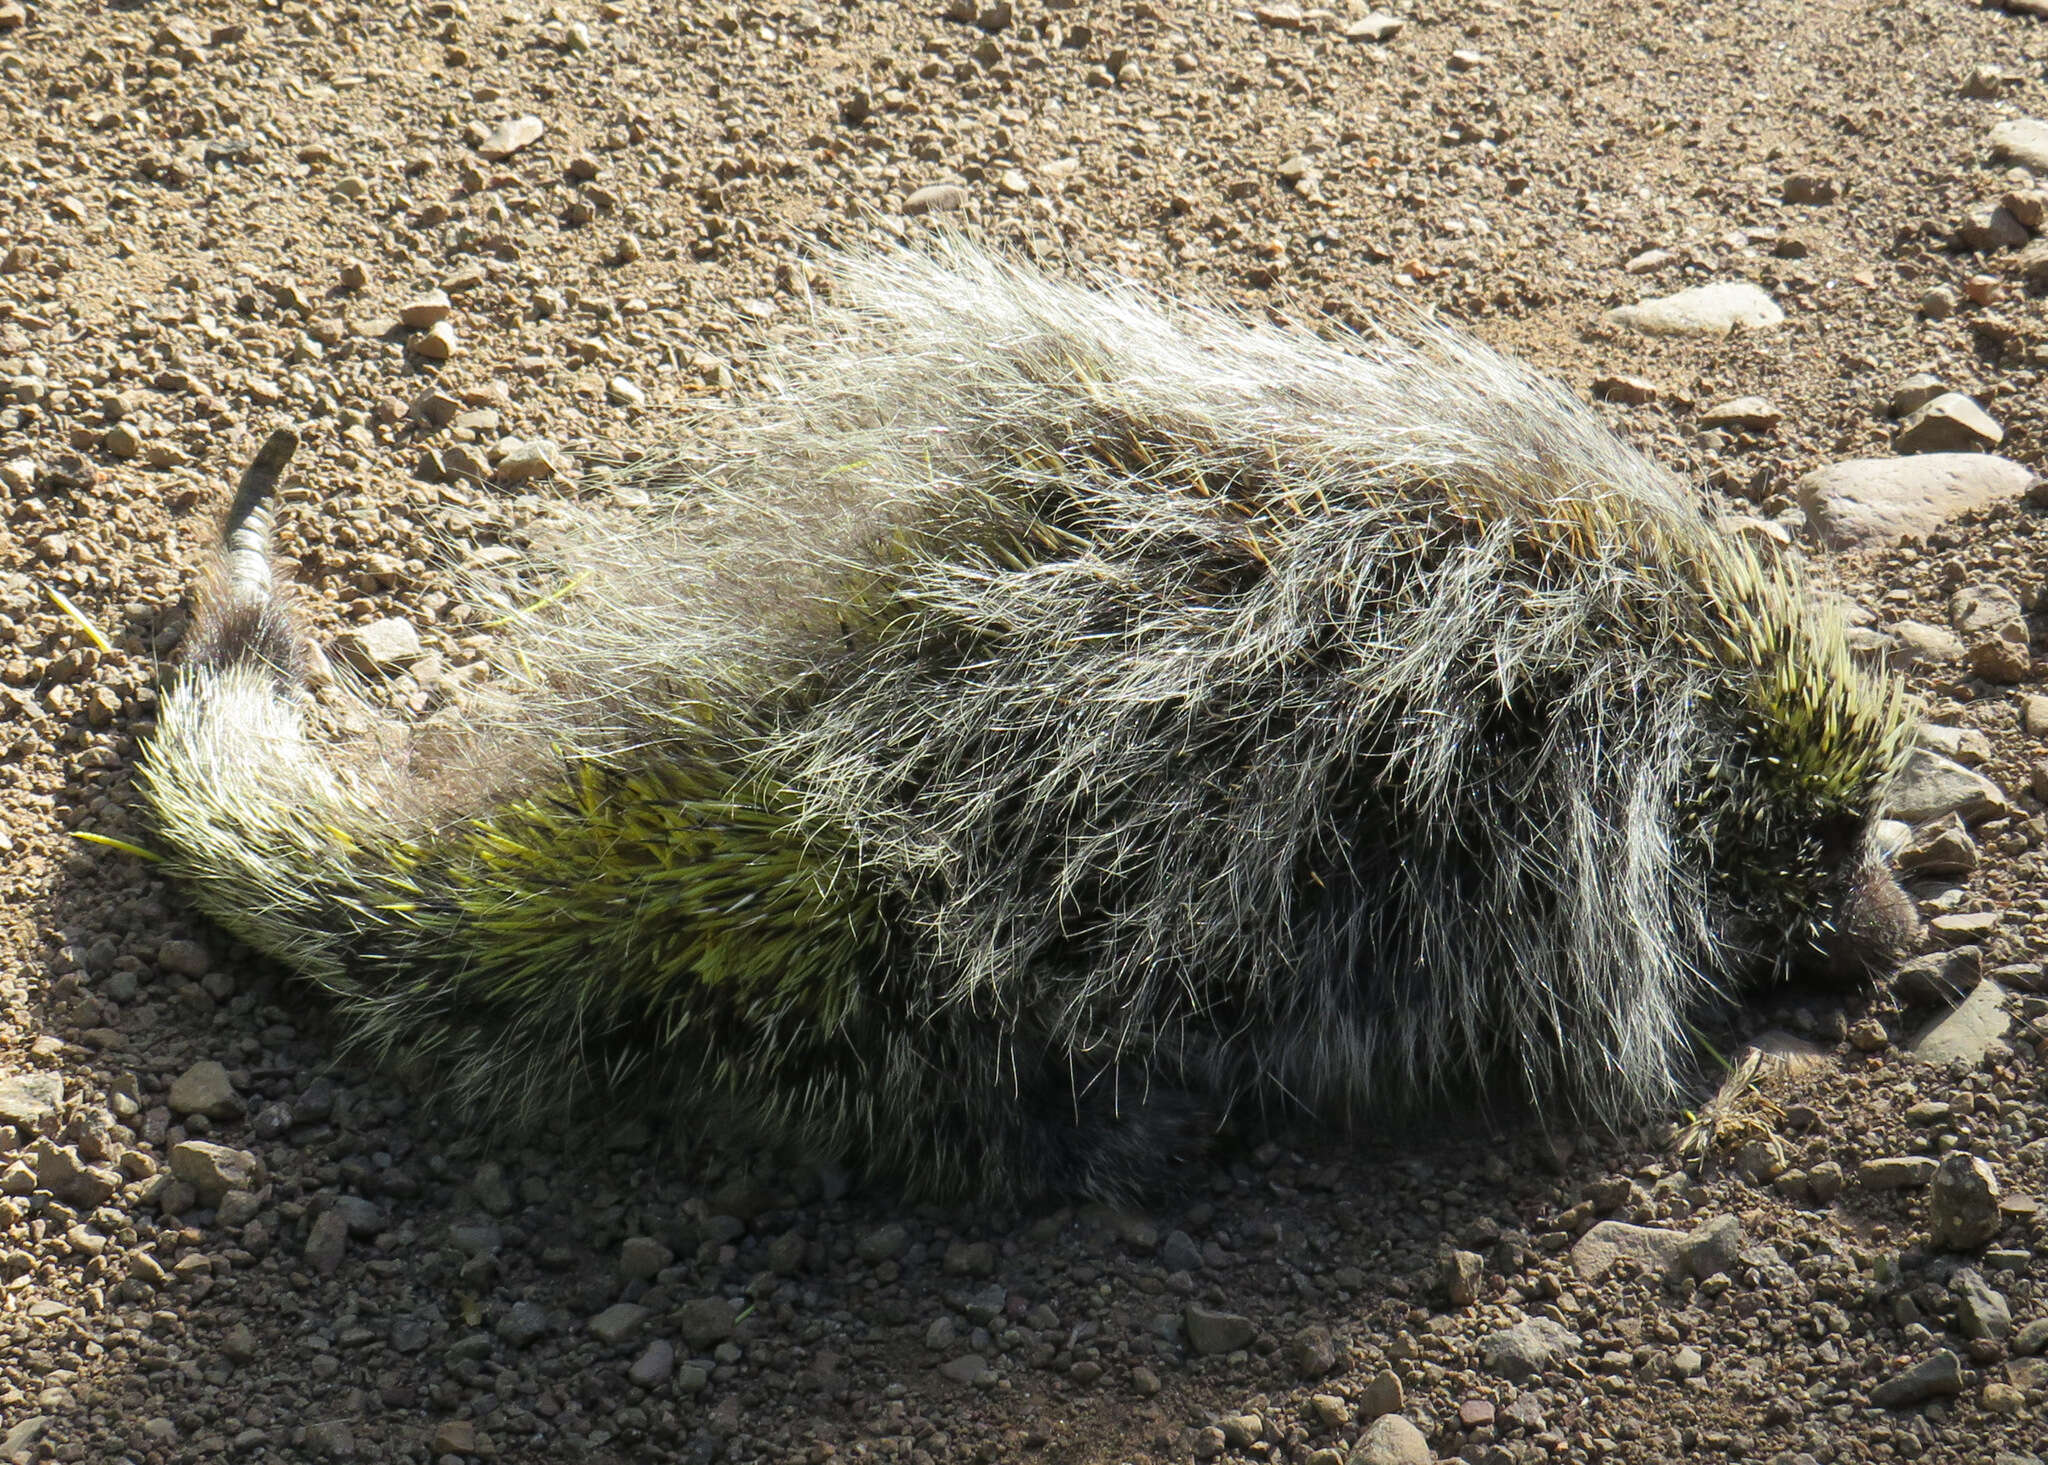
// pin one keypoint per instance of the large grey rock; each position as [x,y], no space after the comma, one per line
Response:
[1651,1248]
[1931,786]
[1706,310]
[1866,503]
[1967,1033]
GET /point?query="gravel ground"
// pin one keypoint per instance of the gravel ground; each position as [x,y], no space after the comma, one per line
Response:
[454,239]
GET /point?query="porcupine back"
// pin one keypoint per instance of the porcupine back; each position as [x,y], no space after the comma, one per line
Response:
[1057,699]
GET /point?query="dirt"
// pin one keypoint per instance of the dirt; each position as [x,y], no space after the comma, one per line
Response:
[217,220]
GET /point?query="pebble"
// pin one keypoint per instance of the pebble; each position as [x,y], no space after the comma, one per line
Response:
[381,648]
[641,1258]
[1940,848]
[1686,1363]
[1376,27]
[1528,1348]
[1212,1332]
[327,1242]
[705,1321]
[1178,1253]
[1383,1394]
[1749,414]
[1915,392]
[1895,1172]
[437,343]
[1706,310]
[426,310]
[509,136]
[1656,1251]
[524,1322]
[1461,1276]
[617,1323]
[1992,626]
[1968,1033]
[884,1243]
[1962,1204]
[652,1368]
[624,392]
[1932,1377]
[1630,391]
[1929,786]
[453,1437]
[1392,1440]
[1950,423]
[968,1368]
[205,1088]
[1988,228]
[1870,502]
[1312,1351]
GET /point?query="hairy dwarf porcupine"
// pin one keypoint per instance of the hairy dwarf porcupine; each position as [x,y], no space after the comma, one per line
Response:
[1060,713]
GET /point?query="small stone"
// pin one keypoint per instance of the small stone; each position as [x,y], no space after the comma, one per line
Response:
[1392,1440]
[1686,1363]
[1999,1398]
[1331,1410]
[623,392]
[1867,1035]
[1212,1332]
[1981,1311]
[327,1242]
[1871,502]
[1475,1414]
[1178,1253]
[1930,1378]
[1988,228]
[1312,1351]
[2023,141]
[436,343]
[382,648]
[1967,1033]
[1895,1172]
[27,1099]
[63,1172]
[1630,391]
[509,136]
[1280,15]
[884,1243]
[1375,27]
[426,310]
[1383,1394]
[453,1437]
[968,1368]
[205,1088]
[331,1439]
[213,1170]
[1528,1348]
[526,460]
[641,1258]
[652,1368]
[1951,423]
[1460,1276]
[1809,188]
[1749,414]
[523,1322]
[1940,848]
[617,1323]
[1145,1381]
[1241,1430]
[1713,1246]
[1915,392]
[705,1322]
[1962,1204]
[936,198]
[1707,310]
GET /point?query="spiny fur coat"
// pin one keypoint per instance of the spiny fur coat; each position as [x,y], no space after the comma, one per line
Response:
[1061,713]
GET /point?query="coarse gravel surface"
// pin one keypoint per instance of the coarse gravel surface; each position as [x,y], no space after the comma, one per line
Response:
[458,242]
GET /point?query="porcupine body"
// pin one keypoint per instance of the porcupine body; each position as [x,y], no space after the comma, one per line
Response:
[1057,702]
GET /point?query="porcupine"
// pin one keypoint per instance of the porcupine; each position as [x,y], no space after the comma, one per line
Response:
[1058,711]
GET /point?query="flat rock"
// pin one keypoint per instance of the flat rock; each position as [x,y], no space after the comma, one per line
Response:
[2024,140]
[1375,26]
[1750,414]
[936,198]
[652,1368]
[1931,1377]
[1651,1248]
[968,1368]
[523,460]
[382,648]
[1528,1348]
[1707,310]
[1391,1440]
[26,1099]
[1217,1332]
[617,1323]
[1931,786]
[705,1321]
[1950,423]
[1865,503]
[509,136]
[1967,1033]
[1895,1172]
[1981,1310]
